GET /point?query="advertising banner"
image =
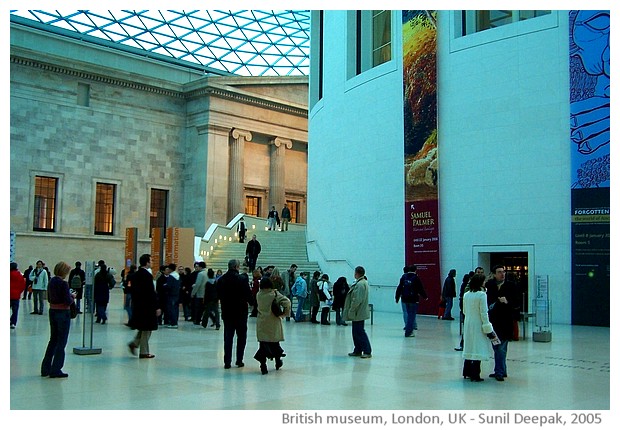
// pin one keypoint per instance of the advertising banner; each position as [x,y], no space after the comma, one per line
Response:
[590,165]
[420,146]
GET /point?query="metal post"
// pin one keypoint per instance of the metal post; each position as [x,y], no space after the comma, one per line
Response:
[88,315]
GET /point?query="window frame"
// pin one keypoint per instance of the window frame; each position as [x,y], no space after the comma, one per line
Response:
[166,209]
[258,201]
[113,204]
[56,202]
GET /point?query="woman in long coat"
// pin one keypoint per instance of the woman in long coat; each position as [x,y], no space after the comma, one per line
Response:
[269,326]
[145,308]
[477,330]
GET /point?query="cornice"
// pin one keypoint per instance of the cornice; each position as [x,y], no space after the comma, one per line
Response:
[208,90]
[247,99]
[94,77]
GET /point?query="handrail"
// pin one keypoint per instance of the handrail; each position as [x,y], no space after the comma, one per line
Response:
[215,229]
[330,260]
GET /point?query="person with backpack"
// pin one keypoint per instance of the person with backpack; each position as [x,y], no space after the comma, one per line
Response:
[325,297]
[409,290]
[77,279]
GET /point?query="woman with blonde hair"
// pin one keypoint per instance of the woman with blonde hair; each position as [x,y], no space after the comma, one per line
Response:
[60,298]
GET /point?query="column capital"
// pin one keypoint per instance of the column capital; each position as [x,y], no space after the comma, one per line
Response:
[278,141]
[236,133]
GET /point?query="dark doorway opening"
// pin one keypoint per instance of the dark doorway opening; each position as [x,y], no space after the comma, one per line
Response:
[517,266]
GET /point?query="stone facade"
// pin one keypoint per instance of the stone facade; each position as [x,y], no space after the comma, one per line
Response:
[85,116]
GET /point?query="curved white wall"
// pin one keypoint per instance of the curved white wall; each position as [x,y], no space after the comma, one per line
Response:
[504,178]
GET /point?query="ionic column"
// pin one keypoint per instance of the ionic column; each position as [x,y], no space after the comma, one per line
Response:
[235,175]
[276,172]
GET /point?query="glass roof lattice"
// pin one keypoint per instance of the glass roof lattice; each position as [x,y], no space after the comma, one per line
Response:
[246,42]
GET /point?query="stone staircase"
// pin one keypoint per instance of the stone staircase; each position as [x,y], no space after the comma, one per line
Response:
[278,248]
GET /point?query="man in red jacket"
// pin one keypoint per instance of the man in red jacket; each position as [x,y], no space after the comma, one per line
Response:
[18,285]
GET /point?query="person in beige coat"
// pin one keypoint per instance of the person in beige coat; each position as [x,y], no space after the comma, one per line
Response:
[356,310]
[269,326]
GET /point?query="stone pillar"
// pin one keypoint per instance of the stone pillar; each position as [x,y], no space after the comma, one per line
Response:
[235,181]
[276,172]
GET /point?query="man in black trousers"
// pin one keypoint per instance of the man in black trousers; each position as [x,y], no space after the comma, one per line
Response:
[234,294]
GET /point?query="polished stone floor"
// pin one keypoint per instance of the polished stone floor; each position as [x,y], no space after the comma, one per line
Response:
[422,373]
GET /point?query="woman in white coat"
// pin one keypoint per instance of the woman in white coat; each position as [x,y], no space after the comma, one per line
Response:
[477,331]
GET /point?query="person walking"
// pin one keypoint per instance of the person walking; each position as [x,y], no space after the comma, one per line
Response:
[241,229]
[145,308]
[198,293]
[269,331]
[60,299]
[251,252]
[409,290]
[211,303]
[356,310]
[273,219]
[448,293]
[286,217]
[477,331]
[16,287]
[103,283]
[39,278]
[235,295]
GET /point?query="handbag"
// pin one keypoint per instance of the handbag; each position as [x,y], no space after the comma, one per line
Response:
[73,309]
[276,309]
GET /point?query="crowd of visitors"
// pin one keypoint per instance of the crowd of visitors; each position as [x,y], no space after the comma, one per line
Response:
[488,307]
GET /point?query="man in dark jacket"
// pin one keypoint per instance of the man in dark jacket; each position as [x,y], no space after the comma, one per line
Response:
[234,295]
[145,308]
[448,293]
[251,252]
[409,290]
[504,305]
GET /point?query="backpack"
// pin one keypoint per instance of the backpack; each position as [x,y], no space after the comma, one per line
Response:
[322,296]
[76,282]
[409,294]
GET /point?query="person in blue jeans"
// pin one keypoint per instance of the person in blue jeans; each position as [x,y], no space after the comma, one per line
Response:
[504,305]
[300,290]
[357,311]
[60,299]
[408,291]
